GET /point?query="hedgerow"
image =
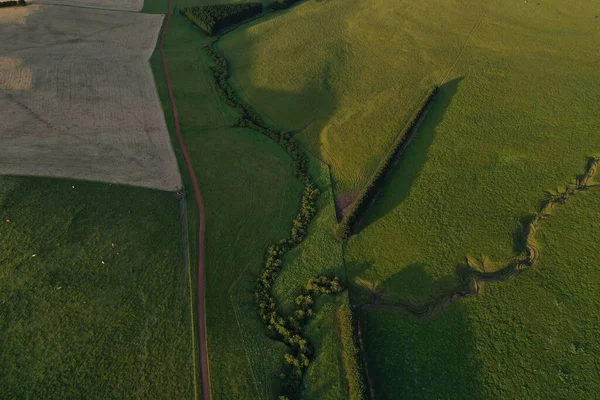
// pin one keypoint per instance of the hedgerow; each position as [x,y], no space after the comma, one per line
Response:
[288,330]
[12,3]
[350,355]
[211,18]
[347,224]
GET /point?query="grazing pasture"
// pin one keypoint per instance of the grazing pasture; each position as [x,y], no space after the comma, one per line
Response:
[535,336]
[515,118]
[514,121]
[251,198]
[79,97]
[347,76]
[95,294]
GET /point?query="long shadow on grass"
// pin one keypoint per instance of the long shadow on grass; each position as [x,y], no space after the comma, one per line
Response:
[412,359]
[396,187]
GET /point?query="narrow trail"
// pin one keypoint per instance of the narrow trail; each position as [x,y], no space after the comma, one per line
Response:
[466,44]
[472,278]
[200,205]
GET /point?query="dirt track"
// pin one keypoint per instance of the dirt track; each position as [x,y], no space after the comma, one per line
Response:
[201,229]
[78,96]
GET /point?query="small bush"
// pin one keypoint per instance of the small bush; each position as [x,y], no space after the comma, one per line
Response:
[212,18]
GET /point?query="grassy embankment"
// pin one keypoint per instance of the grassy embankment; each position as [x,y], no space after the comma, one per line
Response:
[251,198]
[352,90]
[95,295]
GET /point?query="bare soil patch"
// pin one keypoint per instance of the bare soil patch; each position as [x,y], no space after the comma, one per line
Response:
[78,97]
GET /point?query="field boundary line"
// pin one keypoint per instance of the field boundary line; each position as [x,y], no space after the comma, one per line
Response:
[200,204]
[186,260]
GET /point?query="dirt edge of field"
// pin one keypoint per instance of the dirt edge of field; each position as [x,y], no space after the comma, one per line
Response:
[200,204]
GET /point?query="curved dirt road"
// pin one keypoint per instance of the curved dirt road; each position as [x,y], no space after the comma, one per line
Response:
[200,204]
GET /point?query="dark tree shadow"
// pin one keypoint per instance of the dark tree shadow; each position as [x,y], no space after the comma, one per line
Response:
[397,185]
[410,358]
[520,234]
[413,282]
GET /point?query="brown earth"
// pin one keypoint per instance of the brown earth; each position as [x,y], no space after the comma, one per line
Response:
[78,97]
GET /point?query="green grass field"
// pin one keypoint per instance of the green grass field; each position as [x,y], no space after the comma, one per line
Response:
[251,198]
[517,116]
[347,75]
[97,302]
[536,336]
[94,292]
[514,121]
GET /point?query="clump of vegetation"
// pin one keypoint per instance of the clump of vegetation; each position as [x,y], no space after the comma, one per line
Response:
[348,222]
[282,4]
[350,355]
[211,18]
[12,3]
[288,330]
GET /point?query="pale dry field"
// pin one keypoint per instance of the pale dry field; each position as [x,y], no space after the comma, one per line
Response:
[78,97]
[125,5]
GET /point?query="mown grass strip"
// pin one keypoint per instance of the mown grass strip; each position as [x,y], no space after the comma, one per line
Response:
[471,277]
[350,220]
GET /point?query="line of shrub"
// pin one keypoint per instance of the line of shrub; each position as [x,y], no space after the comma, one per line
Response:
[249,118]
[282,4]
[288,330]
[211,18]
[12,3]
[346,226]
[350,354]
